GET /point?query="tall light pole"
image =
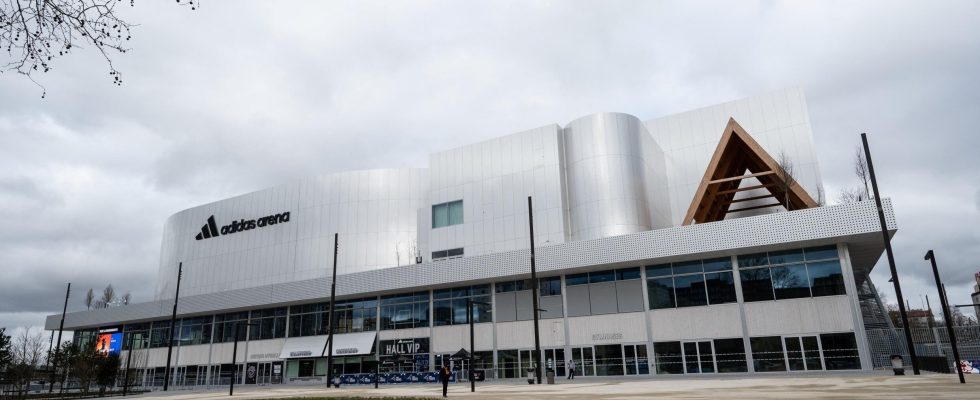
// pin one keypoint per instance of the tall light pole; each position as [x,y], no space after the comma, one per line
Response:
[469,315]
[330,327]
[534,296]
[61,328]
[947,315]
[891,258]
[173,321]
[234,356]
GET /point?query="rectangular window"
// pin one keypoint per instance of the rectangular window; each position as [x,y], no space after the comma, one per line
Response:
[159,333]
[356,315]
[659,270]
[450,308]
[756,284]
[603,276]
[840,351]
[721,287]
[550,286]
[224,326]
[609,360]
[660,292]
[447,254]
[790,282]
[447,214]
[627,274]
[269,324]
[669,359]
[785,257]
[826,278]
[195,330]
[730,355]
[308,319]
[577,279]
[402,311]
[690,290]
[687,267]
[767,354]
[821,253]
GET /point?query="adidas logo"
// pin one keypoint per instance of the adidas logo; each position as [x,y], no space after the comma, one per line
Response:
[210,229]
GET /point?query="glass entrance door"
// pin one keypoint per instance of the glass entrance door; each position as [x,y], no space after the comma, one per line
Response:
[635,356]
[265,374]
[803,353]
[555,358]
[584,361]
[698,358]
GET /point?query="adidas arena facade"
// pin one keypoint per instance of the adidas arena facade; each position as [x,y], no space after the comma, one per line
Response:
[662,246]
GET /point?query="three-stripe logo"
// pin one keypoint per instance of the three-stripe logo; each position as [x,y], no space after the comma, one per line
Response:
[208,230]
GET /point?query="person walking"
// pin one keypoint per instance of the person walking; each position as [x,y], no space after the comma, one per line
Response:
[444,377]
[571,369]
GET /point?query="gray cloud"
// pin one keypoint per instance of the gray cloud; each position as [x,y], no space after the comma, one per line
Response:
[225,100]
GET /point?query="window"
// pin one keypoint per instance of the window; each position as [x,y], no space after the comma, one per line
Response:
[447,254]
[840,351]
[767,354]
[550,286]
[447,214]
[668,357]
[225,325]
[791,274]
[269,324]
[308,319]
[138,333]
[449,305]
[603,276]
[730,355]
[408,310]
[159,333]
[691,283]
[356,315]
[512,286]
[195,330]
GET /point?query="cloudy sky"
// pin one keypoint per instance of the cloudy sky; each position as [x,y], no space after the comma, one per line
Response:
[239,96]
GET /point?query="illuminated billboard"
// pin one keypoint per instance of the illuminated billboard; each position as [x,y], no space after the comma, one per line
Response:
[107,343]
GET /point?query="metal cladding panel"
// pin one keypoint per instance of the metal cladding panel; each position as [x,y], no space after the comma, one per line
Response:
[842,223]
[778,121]
[376,210]
[615,176]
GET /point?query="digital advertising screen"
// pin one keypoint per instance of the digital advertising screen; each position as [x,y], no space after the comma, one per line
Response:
[107,343]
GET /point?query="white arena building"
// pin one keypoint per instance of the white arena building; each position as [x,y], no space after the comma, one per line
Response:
[671,245]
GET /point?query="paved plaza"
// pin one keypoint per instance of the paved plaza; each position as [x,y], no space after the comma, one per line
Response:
[784,386]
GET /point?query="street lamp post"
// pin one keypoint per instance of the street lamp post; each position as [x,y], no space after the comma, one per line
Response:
[234,356]
[469,315]
[891,258]
[947,315]
[173,321]
[534,296]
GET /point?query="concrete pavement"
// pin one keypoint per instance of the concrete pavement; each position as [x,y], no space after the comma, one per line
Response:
[781,386]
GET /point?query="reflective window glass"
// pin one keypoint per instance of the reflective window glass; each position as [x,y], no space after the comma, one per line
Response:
[718,264]
[753,260]
[826,278]
[730,355]
[721,287]
[840,351]
[821,253]
[668,357]
[658,270]
[756,284]
[627,273]
[687,267]
[790,282]
[577,279]
[690,290]
[785,256]
[660,292]
[767,354]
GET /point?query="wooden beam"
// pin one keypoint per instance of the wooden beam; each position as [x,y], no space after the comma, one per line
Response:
[742,189]
[736,178]
[751,198]
[756,207]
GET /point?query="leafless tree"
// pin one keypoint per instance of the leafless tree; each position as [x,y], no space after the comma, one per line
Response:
[821,197]
[861,170]
[125,299]
[28,351]
[36,32]
[398,253]
[414,249]
[785,177]
[851,195]
[108,296]
[89,298]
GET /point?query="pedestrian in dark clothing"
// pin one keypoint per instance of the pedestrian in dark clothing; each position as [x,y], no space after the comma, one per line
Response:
[444,376]
[571,369]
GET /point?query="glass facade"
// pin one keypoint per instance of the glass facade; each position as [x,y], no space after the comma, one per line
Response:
[690,283]
[402,311]
[791,274]
[449,305]
[195,330]
[308,319]
[268,324]
[225,326]
[356,315]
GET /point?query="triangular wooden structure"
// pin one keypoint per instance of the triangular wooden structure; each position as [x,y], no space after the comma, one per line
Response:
[738,152]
